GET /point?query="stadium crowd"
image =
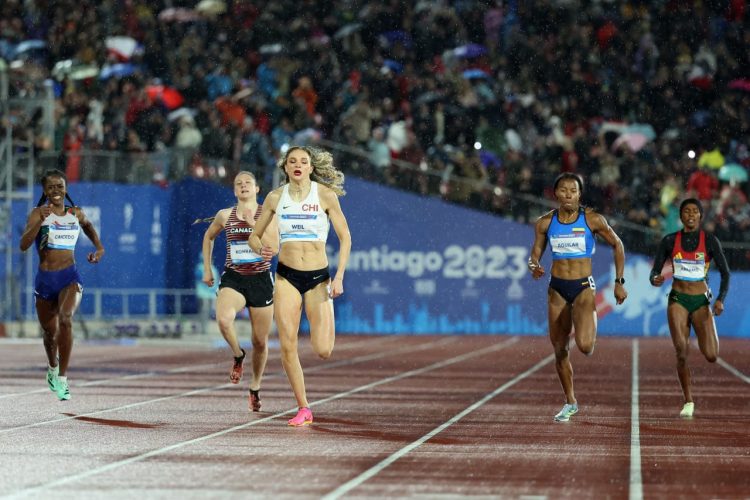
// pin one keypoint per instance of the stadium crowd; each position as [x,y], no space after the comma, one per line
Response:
[648,100]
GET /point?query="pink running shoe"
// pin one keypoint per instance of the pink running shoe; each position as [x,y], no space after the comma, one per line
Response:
[253,400]
[236,374]
[303,417]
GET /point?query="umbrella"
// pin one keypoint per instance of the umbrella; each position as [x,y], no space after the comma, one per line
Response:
[616,127]
[178,15]
[490,159]
[642,128]
[211,7]
[428,97]
[347,30]
[394,66]
[712,159]
[169,96]
[28,45]
[513,140]
[83,71]
[633,140]
[117,70]
[74,70]
[307,137]
[180,113]
[740,84]
[62,68]
[470,74]
[391,38]
[732,172]
[271,48]
[470,50]
[123,47]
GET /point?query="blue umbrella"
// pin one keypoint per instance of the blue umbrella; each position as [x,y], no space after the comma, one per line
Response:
[490,159]
[732,172]
[347,30]
[390,38]
[394,66]
[28,45]
[117,71]
[470,51]
[474,73]
[642,128]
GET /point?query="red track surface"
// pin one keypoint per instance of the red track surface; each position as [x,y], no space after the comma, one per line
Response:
[412,416]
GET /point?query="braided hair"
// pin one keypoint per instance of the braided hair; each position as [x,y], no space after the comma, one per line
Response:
[53,173]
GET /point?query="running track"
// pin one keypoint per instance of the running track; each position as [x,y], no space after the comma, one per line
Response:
[411,416]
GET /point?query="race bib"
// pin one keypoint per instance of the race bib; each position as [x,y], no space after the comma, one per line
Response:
[63,236]
[568,245]
[689,270]
[241,253]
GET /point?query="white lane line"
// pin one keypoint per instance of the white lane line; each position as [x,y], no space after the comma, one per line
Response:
[734,370]
[133,376]
[115,465]
[181,369]
[636,481]
[322,367]
[377,468]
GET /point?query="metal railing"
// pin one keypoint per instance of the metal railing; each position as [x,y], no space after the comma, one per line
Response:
[131,313]
[139,303]
[173,164]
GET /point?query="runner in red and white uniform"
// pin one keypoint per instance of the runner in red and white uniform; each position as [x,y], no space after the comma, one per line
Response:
[245,282]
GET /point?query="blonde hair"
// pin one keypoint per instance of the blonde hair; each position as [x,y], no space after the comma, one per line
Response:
[323,170]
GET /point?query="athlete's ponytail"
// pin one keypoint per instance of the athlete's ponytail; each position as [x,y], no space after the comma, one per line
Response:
[205,219]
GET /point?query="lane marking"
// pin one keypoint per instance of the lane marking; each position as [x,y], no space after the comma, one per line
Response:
[636,481]
[733,370]
[181,369]
[133,376]
[377,468]
[115,465]
[322,367]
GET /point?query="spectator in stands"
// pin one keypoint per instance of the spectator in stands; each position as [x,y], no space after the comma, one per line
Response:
[703,184]
[305,205]
[246,281]
[255,150]
[282,135]
[72,144]
[188,136]
[55,227]
[688,80]
[380,155]
[571,307]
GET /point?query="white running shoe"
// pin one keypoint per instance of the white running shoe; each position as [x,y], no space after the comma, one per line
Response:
[687,410]
[567,411]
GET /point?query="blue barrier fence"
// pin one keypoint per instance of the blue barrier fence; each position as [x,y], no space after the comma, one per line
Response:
[418,266]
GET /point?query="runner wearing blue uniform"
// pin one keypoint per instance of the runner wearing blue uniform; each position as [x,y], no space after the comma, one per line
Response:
[569,230]
[58,287]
